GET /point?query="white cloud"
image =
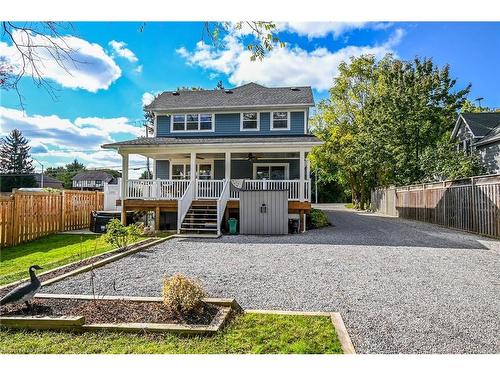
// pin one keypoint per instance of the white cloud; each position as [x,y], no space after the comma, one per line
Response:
[88,67]
[147,98]
[319,29]
[288,66]
[322,29]
[58,134]
[120,49]
[138,69]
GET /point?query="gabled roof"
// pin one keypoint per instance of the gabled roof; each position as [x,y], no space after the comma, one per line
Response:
[249,95]
[215,140]
[93,176]
[481,123]
[492,136]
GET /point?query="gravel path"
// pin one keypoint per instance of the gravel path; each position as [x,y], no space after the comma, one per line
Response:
[401,286]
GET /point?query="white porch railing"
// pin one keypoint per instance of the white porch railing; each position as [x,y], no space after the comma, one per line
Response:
[156,189]
[184,204]
[222,203]
[293,187]
[209,189]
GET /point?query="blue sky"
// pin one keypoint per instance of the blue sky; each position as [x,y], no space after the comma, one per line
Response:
[102,100]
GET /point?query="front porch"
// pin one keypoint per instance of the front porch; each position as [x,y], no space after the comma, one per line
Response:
[182,181]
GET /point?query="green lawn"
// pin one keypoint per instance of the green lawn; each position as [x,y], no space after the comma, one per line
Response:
[48,252]
[349,205]
[248,333]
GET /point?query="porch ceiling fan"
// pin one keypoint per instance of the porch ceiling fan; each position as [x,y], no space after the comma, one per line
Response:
[251,157]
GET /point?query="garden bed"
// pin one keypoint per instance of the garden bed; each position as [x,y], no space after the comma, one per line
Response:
[128,314]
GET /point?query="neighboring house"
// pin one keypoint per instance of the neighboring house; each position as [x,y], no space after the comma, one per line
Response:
[48,182]
[92,180]
[481,132]
[207,143]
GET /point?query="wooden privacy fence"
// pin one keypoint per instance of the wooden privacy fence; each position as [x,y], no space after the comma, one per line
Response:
[25,216]
[471,204]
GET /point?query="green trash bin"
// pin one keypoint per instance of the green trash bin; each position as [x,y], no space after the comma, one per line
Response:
[232,225]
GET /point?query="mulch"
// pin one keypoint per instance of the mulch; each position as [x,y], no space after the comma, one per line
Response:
[113,311]
[71,267]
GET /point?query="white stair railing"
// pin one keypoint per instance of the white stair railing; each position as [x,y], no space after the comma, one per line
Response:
[184,204]
[222,203]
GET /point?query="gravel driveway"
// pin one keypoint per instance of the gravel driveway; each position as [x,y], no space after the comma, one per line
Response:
[401,286]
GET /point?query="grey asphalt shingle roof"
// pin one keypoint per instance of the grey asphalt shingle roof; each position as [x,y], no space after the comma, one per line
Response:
[213,140]
[249,95]
[93,176]
[482,123]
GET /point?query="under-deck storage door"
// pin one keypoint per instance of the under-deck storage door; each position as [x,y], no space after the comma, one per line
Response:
[264,212]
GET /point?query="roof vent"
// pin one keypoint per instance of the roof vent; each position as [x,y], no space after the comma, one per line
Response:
[175,93]
[294,89]
[228,91]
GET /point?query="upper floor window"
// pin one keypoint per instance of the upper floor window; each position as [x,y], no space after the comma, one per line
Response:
[250,121]
[192,122]
[280,121]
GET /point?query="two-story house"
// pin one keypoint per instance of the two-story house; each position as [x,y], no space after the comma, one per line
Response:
[480,132]
[208,144]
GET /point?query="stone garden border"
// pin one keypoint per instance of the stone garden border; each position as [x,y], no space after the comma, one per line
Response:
[335,317]
[228,306]
[77,323]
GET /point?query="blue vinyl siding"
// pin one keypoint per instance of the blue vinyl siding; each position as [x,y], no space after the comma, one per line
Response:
[162,169]
[244,168]
[228,124]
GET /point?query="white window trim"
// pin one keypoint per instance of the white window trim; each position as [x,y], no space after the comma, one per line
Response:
[287,121]
[185,123]
[187,162]
[250,130]
[286,165]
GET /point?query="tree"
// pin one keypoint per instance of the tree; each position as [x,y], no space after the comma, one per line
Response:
[470,107]
[16,164]
[66,173]
[146,175]
[384,122]
[187,88]
[444,162]
[38,42]
[35,42]
[220,85]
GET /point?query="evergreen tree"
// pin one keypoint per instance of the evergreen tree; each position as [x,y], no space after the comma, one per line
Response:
[16,164]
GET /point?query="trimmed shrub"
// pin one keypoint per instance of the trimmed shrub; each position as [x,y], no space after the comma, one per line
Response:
[182,294]
[319,219]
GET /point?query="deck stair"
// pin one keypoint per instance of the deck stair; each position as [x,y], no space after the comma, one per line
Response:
[201,218]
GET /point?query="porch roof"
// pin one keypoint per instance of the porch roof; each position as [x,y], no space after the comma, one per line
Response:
[159,141]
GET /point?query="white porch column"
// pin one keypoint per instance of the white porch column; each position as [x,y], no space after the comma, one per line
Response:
[154,169]
[301,175]
[193,171]
[308,178]
[124,194]
[227,168]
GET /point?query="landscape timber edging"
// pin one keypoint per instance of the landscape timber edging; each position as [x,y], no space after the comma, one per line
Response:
[104,261]
[335,317]
[138,243]
[227,306]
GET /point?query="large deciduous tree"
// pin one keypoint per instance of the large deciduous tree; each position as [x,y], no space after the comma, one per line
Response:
[388,122]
